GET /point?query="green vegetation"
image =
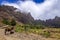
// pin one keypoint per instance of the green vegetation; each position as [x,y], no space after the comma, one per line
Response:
[46,34]
[7,22]
[19,28]
[36,29]
[13,22]
[29,28]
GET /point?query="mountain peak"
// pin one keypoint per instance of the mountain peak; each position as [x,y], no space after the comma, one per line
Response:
[9,13]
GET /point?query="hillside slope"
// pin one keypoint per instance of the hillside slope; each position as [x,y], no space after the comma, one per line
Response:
[8,12]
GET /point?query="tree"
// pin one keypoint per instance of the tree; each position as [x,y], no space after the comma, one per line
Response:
[13,22]
[5,21]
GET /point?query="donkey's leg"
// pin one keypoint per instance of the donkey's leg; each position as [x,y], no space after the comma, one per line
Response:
[12,31]
[5,31]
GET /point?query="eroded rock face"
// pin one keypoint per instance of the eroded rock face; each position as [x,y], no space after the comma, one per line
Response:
[8,12]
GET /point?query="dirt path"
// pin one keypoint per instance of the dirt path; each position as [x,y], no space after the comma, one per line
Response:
[6,37]
[21,36]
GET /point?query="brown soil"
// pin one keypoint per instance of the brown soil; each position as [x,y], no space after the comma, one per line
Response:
[22,36]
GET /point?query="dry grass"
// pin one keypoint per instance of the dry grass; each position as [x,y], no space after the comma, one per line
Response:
[47,32]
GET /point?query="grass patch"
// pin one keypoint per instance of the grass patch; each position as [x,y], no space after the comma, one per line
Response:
[47,32]
[19,28]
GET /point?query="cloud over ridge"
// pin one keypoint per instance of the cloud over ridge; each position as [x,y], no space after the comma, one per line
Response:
[46,10]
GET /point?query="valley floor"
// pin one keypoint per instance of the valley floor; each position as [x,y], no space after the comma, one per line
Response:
[22,36]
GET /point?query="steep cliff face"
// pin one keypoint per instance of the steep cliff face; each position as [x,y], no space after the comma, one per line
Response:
[53,22]
[8,12]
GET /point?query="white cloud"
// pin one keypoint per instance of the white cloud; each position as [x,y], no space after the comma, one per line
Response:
[10,4]
[46,10]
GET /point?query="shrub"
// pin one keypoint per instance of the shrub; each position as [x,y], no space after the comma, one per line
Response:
[19,28]
[26,27]
[5,21]
[46,34]
[13,22]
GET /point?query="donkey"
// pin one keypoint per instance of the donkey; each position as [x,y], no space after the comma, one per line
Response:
[9,29]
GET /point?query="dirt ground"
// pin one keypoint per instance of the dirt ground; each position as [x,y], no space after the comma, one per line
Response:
[22,36]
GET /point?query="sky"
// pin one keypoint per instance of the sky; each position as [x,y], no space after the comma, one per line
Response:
[39,9]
